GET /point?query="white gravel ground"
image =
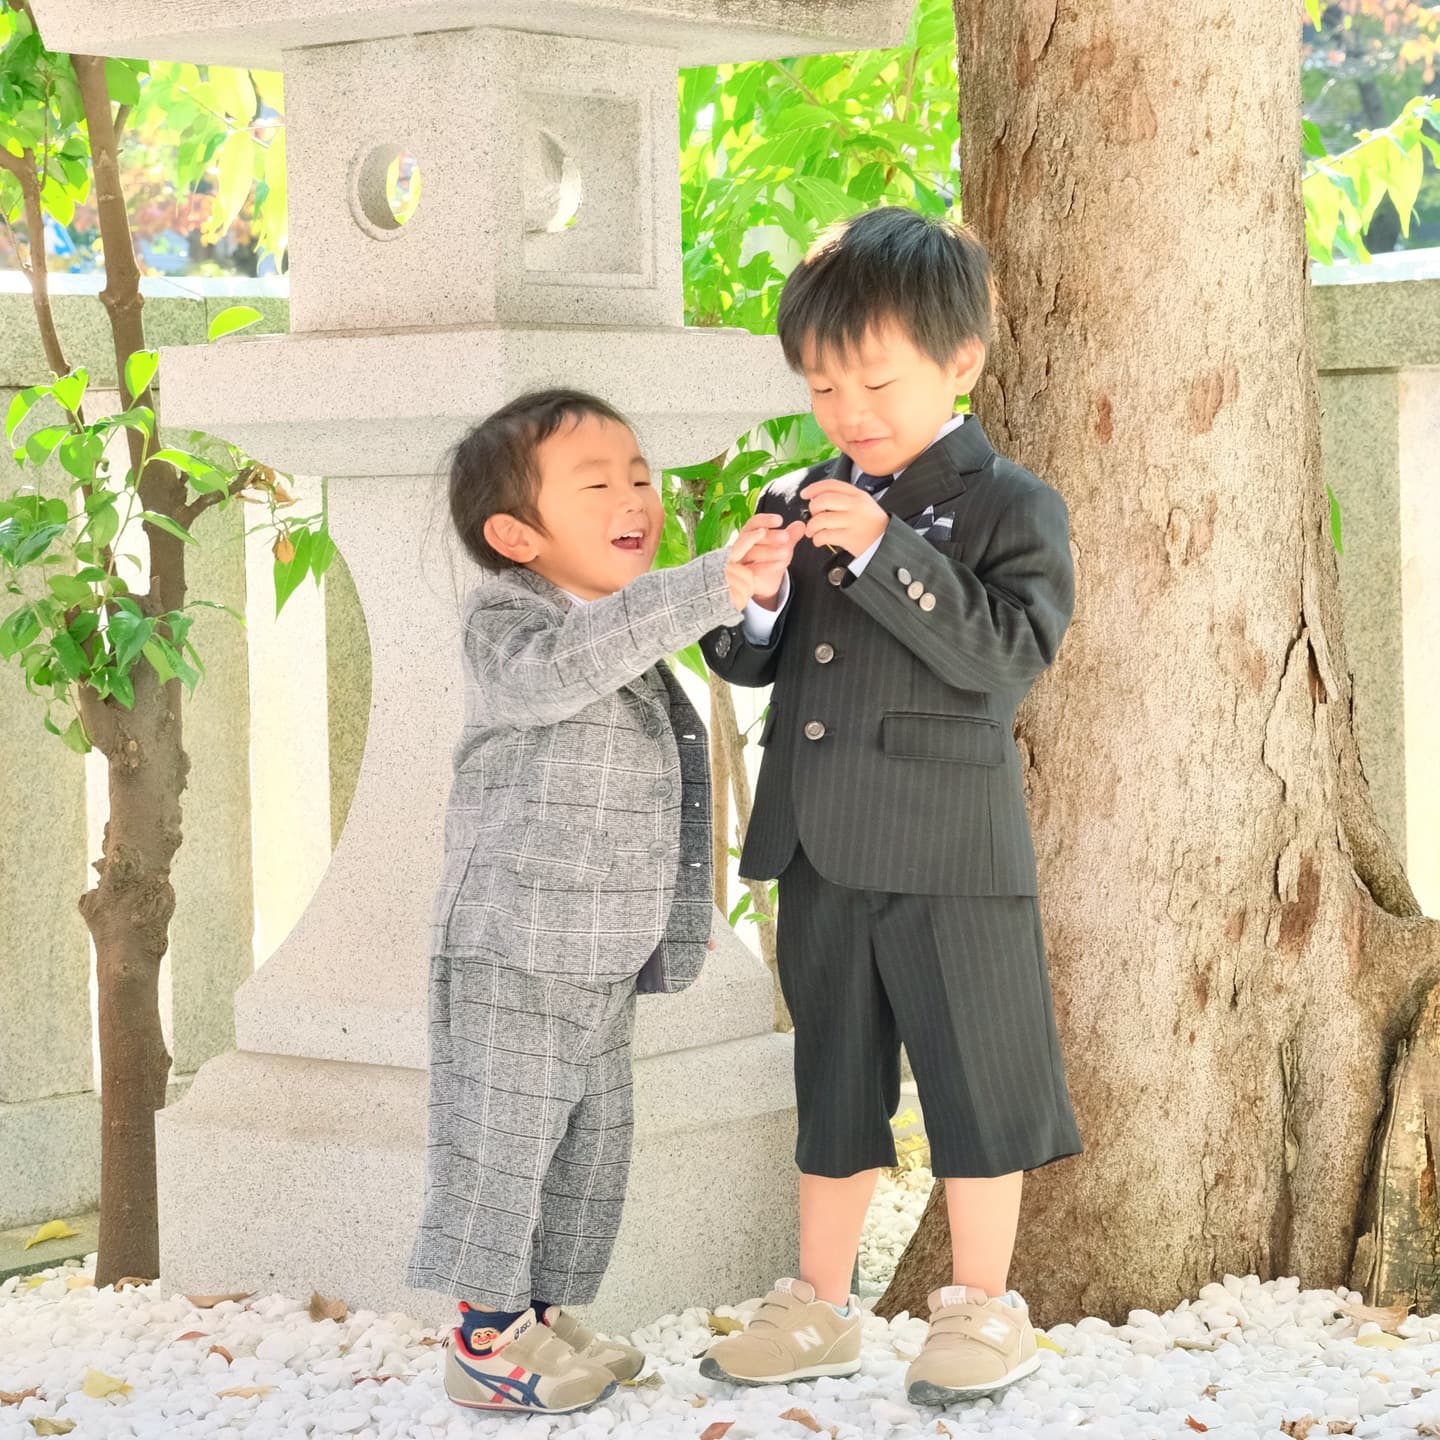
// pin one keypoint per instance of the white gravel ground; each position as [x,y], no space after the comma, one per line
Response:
[1241,1360]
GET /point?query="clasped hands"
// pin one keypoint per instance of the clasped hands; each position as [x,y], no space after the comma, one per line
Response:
[842,517]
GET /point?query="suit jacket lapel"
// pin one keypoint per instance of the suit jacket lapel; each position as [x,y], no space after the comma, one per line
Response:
[941,473]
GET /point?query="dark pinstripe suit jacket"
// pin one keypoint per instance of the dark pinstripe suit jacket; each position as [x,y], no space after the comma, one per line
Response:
[889,747]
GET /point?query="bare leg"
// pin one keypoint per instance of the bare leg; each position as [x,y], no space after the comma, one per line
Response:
[984,1215]
[832,1213]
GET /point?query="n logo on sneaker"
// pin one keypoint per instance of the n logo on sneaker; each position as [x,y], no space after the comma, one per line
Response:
[995,1330]
[809,1338]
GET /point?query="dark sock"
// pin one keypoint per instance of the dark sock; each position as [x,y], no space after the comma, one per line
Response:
[540,1307]
[472,1320]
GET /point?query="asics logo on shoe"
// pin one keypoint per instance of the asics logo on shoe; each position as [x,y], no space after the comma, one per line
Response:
[808,1339]
[995,1329]
[520,1387]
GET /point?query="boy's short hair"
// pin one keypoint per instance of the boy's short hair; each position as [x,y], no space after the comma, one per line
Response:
[494,471]
[927,274]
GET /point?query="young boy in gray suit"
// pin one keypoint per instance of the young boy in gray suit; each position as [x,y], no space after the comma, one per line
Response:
[932,587]
[577,870]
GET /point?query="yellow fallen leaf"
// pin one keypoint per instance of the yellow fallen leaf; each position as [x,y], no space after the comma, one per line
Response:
[97,1385]
[44,1425]
[35,1281]
[699,1402]
[209,1302]
[323,1309]
[1387,1317]
[53,1230]
[1044,1342]
[79,1282]
[724,1325]
[245,1392]
[652,1381]
[1386,1342]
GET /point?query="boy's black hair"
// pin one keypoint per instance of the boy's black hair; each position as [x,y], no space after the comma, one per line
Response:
[927,274]
[493,469]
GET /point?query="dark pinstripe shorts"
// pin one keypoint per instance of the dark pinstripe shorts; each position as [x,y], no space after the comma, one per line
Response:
[962,981]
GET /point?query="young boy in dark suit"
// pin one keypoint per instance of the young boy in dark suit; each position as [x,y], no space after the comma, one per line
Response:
[931,586]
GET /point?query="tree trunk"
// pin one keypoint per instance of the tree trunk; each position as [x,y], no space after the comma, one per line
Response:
[1234,949]
[129,909]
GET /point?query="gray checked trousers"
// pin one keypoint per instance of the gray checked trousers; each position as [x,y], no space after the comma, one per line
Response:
[530,1128]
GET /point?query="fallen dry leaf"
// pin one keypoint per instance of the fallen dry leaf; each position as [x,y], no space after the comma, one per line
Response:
[433,1340]
[1381,1339]
[323,1309]
[1299,1428]
[193,1335]
[1342,1427]
[1044,1342]
[221,1351]
[1210,1391]
[699,1402]
[245,1392]
[209,1302]
[44,1425]
[14,1397]
[79,1282]
[125,1282]
[97,1385]
[717,1431]
[1387,1317]
[378,1379]
[51,1230]
[724,1325]
[35,1281]
[1194,1424]
[805,1418]
[1194,1345]
[941,1428]
[652,1381]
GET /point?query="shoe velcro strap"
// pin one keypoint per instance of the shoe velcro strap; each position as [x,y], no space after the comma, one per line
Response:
[996,1332]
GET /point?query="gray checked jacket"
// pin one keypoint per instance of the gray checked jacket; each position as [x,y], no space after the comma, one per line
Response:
[578,830]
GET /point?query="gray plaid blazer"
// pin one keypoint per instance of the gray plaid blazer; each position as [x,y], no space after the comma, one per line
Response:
[578,830]
[888,746]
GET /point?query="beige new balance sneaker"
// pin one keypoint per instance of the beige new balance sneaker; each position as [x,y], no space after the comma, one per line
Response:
[793,1336]
[976,1345]
[623,1361]
[526,1369]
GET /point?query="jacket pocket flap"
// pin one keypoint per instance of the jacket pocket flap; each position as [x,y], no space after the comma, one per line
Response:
[968,739]
[554,853]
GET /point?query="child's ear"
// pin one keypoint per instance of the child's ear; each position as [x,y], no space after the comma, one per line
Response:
[969,362]
[511,538]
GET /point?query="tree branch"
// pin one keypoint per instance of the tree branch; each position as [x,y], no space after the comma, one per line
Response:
[201,503]
[22,167]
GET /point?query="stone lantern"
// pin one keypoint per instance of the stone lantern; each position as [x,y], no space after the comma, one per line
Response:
[544,249]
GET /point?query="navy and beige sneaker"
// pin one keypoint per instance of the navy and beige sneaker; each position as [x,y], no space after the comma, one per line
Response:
[526,1368]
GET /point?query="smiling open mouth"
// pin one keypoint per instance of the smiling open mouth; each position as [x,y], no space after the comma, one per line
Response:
[632,540]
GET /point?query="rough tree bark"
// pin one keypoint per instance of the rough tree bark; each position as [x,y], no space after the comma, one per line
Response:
[1234,948]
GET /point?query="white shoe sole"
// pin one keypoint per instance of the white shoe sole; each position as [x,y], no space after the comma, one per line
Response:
[926,1392]
[713,1370]
[512,1407]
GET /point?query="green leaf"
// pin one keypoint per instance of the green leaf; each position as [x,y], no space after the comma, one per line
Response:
[235,161]
[70,591]
[35,544]
[203,475]
[80,453]
[39,447]
[169,526]
[74,737]
[140,367]
[158,657]
[104,523]
[741,906]
[69,390]
[122,688]
[234,317]
[20,407]
[1313,143]
[69,656]
[289,575]
[322,553]
[1313,11]
[122,82]
[17,631]
[128,637]
[1335,535]
[691,658]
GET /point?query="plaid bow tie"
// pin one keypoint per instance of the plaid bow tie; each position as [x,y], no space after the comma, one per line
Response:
[925,523]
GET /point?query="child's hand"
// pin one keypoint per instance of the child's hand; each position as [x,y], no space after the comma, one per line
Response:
[770,555]
[843,516]
[738,575]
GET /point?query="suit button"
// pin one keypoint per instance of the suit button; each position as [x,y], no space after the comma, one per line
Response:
[903,575]
[659,850]
[663,790]
[824,652]
[927,601]
[814,729]
[836,575]
[915,590]
[723,643]
[654,725]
